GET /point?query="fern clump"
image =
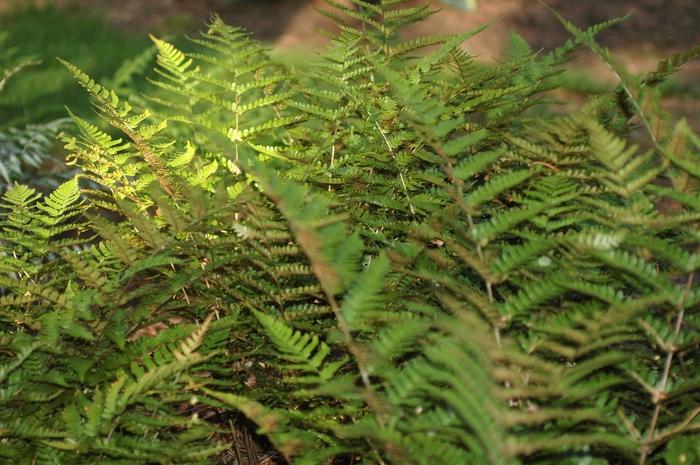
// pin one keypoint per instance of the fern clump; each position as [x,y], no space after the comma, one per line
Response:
[387,256]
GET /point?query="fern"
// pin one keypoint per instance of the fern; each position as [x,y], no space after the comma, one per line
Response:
[383,257]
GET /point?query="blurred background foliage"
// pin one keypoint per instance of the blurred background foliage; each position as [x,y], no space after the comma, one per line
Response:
[109,40]
[81,36]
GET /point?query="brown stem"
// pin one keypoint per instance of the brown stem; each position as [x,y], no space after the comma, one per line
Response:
[658,395]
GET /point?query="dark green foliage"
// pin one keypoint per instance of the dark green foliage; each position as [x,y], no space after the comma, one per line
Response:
[43,33]
[34,88]
[385,257]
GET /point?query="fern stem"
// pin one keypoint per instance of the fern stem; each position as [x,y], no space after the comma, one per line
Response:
[308,243]
[149,155]
[459,200]
[8,73]
[635,103]
[609,61]
[634,432]
[353,348]
[659,393]
[332,161]
[685,426]
[393,156]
